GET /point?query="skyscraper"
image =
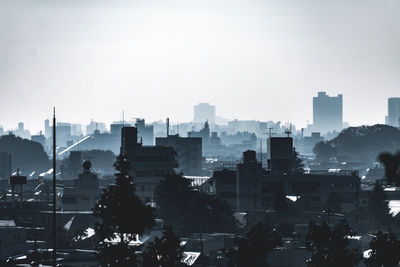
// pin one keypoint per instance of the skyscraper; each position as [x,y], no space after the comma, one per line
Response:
[393,117]
[204,112]
[47,129]
[327,113]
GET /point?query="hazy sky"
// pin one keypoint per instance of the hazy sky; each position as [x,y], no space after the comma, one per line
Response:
[253,59]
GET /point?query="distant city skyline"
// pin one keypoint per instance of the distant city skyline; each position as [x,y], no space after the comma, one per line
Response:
[261,60]
[39,126]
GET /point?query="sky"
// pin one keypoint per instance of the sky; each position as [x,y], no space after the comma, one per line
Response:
[253,59]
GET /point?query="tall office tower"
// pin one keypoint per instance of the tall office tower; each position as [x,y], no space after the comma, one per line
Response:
[149,164]
[47,129]
[188,150]
[21,132]
[76,129]
[94,125]
[204,112]
[145,132]
[393,117]
[280,154]
[327,113]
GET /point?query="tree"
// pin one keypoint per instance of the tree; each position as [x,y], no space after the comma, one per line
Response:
[165,251]
[378,206]
[363,143]
[324,151]
[333,204]
[122,217]
[190,211]
[329,246]
[385,249]
[25,154]
[172,197]
[298,165]
[392,166]
[253,249]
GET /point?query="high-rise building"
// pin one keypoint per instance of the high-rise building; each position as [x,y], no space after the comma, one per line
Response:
[76,129]
[94,125]
[47,128]
[63,133]
[327,113]
[150,164]
[22,132]
[188,150]
[280,154]
[204,112]
[39,138]
[145,132]
[393,117]
[204,133]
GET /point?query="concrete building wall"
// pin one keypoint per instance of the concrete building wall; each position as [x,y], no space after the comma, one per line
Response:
[393,117]
[327,113]
[150,164]
[204,112]
[189,152]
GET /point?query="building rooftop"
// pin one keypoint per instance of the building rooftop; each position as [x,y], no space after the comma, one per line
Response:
[7,223]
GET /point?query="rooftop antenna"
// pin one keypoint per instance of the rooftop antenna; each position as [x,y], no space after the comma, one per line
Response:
[288,131]
[167,127]
[270,133]
[54,187]
[177,128]
[123,118]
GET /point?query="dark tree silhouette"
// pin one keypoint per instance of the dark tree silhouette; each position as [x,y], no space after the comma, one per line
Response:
[378,206]
[365,142]
[191,211]
[165,251]
[392,166]
[385,249]
[123,216]
[298,165]
[253,249]
[324,151]
[333,203]
[173,196]
[329,246]
[25,154]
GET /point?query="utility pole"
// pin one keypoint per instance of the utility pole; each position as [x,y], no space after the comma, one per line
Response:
[54,189]
[288,131]
[167,127]
[270,133]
